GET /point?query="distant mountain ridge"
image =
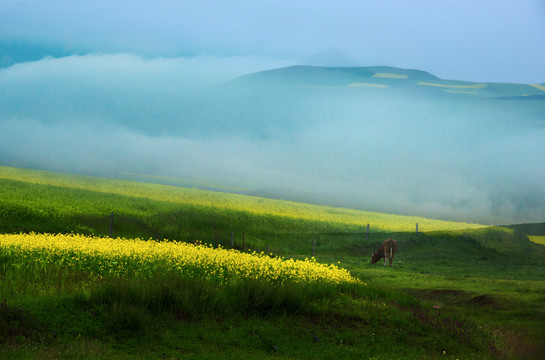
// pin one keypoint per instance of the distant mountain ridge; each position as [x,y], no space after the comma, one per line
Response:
[319,75]
[372,78]
[330,57]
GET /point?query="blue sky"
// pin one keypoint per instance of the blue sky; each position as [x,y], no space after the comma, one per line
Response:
[473,40]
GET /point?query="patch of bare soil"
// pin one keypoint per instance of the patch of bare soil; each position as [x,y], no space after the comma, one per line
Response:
[442,295]
[446,297]
[484,300]
[524,347]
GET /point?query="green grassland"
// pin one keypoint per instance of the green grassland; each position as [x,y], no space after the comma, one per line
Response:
[456,291]
[84,201]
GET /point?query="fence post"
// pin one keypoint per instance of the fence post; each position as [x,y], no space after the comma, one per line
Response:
[313,246]
[232,239]
[243,240]
[367,233]
[417,228]
[111,224]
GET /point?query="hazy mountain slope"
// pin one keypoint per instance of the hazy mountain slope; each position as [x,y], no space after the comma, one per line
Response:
[279,102]
[332,76]
[389,77]
[373,138]
[12,52]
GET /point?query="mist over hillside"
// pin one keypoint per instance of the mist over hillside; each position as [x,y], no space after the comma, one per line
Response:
[375,138]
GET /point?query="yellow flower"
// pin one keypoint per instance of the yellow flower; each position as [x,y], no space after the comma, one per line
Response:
[144,258]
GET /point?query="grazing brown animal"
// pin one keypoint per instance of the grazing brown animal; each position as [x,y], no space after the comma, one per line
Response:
[387,250]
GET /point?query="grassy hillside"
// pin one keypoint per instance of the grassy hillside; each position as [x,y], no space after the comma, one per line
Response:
[456,291]
[382,77]
[86,202]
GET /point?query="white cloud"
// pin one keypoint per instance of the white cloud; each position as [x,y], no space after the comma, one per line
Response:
[105,114]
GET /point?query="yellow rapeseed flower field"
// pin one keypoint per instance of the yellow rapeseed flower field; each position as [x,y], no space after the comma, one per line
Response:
[136,257]
[537,239]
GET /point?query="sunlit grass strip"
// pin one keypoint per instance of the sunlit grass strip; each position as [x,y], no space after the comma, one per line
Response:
[135,257]
[537,86]
[474,86]
[236,202]
[460,92]
[537,239]
[186,182]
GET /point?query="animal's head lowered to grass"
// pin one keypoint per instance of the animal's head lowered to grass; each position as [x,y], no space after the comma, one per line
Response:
[386,250]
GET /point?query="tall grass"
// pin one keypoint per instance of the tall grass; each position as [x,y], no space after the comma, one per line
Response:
[320,318]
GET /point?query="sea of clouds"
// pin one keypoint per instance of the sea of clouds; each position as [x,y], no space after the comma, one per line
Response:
[106,114]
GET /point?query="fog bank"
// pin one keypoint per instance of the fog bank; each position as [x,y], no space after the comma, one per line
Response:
[476,161]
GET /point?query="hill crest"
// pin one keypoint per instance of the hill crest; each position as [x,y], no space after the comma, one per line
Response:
[303,73]
[311,75]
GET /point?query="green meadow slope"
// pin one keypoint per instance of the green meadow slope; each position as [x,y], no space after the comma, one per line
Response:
[28,195]
[456,290]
